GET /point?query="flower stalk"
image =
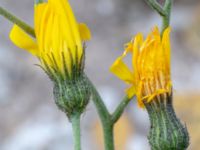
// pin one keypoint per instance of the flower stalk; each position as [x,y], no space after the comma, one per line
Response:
[107,120]
[166,19]
[163,11]
[75,119]
[28,29]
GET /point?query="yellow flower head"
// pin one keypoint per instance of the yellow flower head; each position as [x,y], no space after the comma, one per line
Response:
[150,75]
[59,37]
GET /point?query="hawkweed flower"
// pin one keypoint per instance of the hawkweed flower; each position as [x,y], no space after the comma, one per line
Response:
[150,80]
[59,46]
[150,73]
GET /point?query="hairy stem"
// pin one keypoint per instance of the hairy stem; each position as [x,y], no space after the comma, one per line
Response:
[17,21]
[164,11]
[101,107]
[75,119]
[120,109]
[108,129]
[156,6]
[107,120]
[166,19]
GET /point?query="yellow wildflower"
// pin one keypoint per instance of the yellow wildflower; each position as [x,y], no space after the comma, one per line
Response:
[150,75]
[59,37]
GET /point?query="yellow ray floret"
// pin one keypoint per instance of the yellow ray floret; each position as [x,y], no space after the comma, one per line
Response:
[58,35]
[150,75]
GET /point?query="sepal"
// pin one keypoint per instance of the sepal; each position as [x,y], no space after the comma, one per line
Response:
[72,96]
[166,132]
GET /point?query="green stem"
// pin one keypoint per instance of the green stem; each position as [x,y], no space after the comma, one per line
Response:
[156,6]
[38,1]
[120,109]
[166,18]
[107,120]
[108,136]
[165,23]
[17,21]
[164,12]
[101,107]
[75,119]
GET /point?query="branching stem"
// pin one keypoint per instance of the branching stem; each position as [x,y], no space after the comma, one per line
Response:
[108,120]
[163,11]
[120,109]
[155,5]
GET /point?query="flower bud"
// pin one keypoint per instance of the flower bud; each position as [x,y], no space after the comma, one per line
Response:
[166,132]
[72,96]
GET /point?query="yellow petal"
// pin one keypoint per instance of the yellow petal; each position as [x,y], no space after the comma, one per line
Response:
[71,21]
[131,91]
[84,32]
[23,40]
[41,14]
[141,104]
[155,33]
[166,45]
[121,70]
[158,92]
[139,93]
[166,39]
[138,40]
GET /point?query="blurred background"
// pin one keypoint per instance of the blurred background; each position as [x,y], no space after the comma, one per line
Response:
[29,119]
